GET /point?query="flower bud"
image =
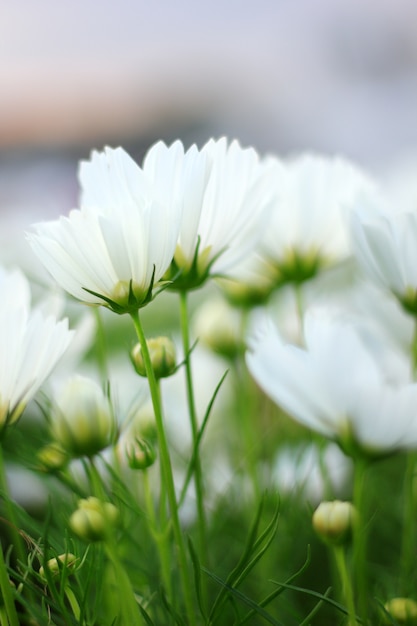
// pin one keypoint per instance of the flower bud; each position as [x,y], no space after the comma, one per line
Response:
[402,610]
[333,521]
[140,453]
[162,354]
[83,420]
[52,458]
[57,564]
[217,326]
[94,520]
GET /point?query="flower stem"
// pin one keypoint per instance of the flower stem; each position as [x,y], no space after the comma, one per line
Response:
[360,538]
[408,547]
[246,411]
[160,535]
[129,612]
[347,590]
[7,594]
[72,600]
[101,345]
[299,305]
[166,470]
[11,513]
[198,478]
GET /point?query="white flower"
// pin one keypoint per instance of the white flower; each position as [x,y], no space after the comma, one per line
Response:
[386,248]
[299,468]
[31,346]
[118,245]
[228,222]
[336,386]
[309,228]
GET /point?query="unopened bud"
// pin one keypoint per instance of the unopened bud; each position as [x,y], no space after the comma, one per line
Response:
[140,453]
[402,610]
[217,326]
[57,564]
[162,355]
[83,422]
[52,458]
[94,520]
[333,521]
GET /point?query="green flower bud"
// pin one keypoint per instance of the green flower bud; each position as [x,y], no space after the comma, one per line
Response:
[52,458]
[217,326]
[403,610]
[162,354]
[248,293]
[57,564]
[333,521]
[140,453]
[83,420]
[94,520]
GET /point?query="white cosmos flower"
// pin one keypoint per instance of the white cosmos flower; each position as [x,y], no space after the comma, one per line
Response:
[118,245]
[31,346]
[308,226]
[336,386]
[229,220]
[386,248]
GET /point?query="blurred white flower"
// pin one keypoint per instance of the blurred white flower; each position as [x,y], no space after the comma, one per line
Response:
[308,470]
[337,386]
[309,229]
[386,248]
[115,249]
[227,221]
[31,344]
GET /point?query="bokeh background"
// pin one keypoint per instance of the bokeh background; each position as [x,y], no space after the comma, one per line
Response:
[281,75]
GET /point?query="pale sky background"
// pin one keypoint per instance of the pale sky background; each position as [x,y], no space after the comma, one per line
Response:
[336,76]
[284,74]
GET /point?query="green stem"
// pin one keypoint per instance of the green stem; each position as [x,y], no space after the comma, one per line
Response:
[246,412]
[166,467]
[96,482]
[346,583]
[101,350]
[360,538]
[160,535]
[198,477]
[408,547]
[299,305]
[129,612]
[10,512]
[7,593]
[72,600]
[3,617]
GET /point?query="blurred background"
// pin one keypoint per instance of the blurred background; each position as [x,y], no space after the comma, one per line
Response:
[283,76]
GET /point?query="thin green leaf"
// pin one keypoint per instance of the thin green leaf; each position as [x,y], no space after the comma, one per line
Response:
[278,592]
[197,576]
[237,570]
[241,596]
[316,594]
[315,610]
[145,616]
